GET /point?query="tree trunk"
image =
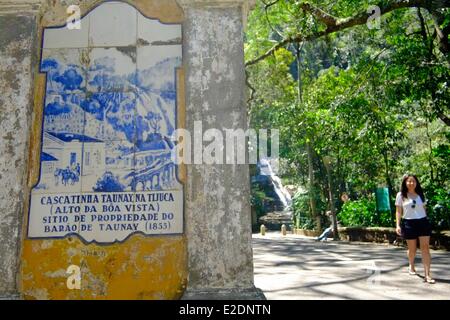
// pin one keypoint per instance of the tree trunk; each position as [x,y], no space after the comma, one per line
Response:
[332,208]
[389,183]
[298,48]
[430,155]
[312,200]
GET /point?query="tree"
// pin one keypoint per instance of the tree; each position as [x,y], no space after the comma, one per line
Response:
[336,88]
[316,22]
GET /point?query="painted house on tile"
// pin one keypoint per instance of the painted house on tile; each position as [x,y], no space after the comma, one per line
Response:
[49,164]
[62,158]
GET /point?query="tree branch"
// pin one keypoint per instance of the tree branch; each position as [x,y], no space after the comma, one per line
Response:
[444,118]
[320,15]
[334,24]
[423,30]
[442,34]
[252,90]
[296,39]
[266,7]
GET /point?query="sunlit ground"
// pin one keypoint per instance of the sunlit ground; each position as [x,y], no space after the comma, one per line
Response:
[295,267]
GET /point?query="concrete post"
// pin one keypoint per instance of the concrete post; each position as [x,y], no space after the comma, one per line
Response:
[217,211]
[217,207]
[17,43]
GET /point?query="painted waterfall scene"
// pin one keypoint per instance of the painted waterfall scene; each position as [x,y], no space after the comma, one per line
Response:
[108,117]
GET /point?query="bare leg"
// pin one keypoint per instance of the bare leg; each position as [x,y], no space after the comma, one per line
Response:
[426,256]
[412,248]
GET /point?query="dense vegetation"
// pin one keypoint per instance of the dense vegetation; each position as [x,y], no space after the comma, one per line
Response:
[367,97]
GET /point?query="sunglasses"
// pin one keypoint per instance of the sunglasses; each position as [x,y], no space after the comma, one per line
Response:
[414,204]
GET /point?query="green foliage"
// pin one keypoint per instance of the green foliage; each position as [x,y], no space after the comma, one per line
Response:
[372,100]
[306,223]
[363,213]
[257,200]
[438,208]
[385,219]
[302,216]
[358,213]
[301,211]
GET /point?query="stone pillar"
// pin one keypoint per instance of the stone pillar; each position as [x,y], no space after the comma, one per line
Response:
[18,31]
[217,200]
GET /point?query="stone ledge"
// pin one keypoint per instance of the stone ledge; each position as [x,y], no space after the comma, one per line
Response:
[306,232]
[388,235]
[224,294]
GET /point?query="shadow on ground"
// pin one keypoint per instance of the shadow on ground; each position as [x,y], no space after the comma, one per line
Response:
[295,267]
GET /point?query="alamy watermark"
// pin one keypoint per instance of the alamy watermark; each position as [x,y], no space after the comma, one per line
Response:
[74,278]
[74,19]
[374,280]
[227,146]
[374,20]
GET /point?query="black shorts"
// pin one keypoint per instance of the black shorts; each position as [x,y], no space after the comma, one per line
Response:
[414,228]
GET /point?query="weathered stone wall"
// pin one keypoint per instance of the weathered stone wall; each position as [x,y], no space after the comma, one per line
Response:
[141,267]
[218,220]
[17,32]
[217,207]
[54,13]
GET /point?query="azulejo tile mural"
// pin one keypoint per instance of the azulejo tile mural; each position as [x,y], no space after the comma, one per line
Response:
[109,114]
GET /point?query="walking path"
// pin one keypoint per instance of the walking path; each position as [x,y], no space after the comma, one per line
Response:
[296,267]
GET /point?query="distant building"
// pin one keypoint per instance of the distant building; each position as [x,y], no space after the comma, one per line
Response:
[67,149]
[48,164]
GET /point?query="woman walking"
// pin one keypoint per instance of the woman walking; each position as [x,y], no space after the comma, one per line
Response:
[413,223]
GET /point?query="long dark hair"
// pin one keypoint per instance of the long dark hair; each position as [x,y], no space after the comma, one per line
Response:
[404,188]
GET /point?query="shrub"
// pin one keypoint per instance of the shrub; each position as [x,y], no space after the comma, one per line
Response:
[257,199]
[363,213]
[302,213]
[438,208]
[108,183]
[386,219]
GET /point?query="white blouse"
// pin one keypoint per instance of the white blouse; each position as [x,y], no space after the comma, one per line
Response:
[411,210]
